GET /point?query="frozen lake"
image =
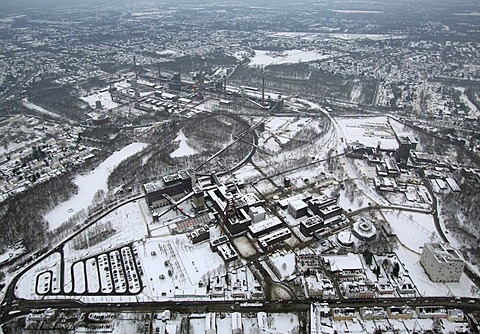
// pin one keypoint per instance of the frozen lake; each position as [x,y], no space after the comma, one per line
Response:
[88,185]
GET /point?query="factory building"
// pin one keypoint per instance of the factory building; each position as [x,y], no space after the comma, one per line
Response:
[256,213]
[217,242]
[297,208]
[199,235]
[391,166]
[404,147]
[198,200]
[226,252]
[274,237]
[239,222]
[264,227]
[317,203]
[310,225]
[174,185]
[283,203]
[330,211]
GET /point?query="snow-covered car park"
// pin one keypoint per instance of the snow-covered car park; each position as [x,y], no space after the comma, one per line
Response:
[118,271]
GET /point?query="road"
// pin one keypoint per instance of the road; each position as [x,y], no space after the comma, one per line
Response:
[467,304]
[10,298]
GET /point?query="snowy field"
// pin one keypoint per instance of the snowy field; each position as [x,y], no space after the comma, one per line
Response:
[265,58]
[373,37]
[104,97]
[284,263]
[29,105]
[184,149]
[88,185]
[281,130]
[130,223]
[413,229]
[368,131]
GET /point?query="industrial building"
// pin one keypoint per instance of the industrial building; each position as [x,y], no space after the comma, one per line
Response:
[391,167]
[226,252]
[297,208]
[256,213]
[174,185]
[311,225]
[233,208]
[264,227]
[317,203]
[330,211]
[442,263]
[199,235]
[274,237]
[283,203]
[198,200]
[239,222]
[217,242]
[404,147]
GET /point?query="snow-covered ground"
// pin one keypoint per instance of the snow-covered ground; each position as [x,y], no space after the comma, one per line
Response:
[413,229]
[104,97]
[474,112]
[265,58]
[374,37]
[88,185]
[284,263]
[184,149]
[368,131]
[29,105]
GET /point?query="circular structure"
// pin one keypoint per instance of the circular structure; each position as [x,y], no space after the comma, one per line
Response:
[364,229]
[345,238]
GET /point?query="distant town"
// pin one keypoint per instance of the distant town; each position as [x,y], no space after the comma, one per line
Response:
[234,167]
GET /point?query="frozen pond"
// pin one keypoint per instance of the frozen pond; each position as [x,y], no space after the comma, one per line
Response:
[88,185]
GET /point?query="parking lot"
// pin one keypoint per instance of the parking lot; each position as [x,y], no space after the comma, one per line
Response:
[118,271]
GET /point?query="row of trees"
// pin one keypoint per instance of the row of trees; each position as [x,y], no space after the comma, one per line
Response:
[461,214]
[394,269]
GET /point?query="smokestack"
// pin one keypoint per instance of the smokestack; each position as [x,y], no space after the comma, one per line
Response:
[135,66]
[225,85]
[179,79]
[263,90]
